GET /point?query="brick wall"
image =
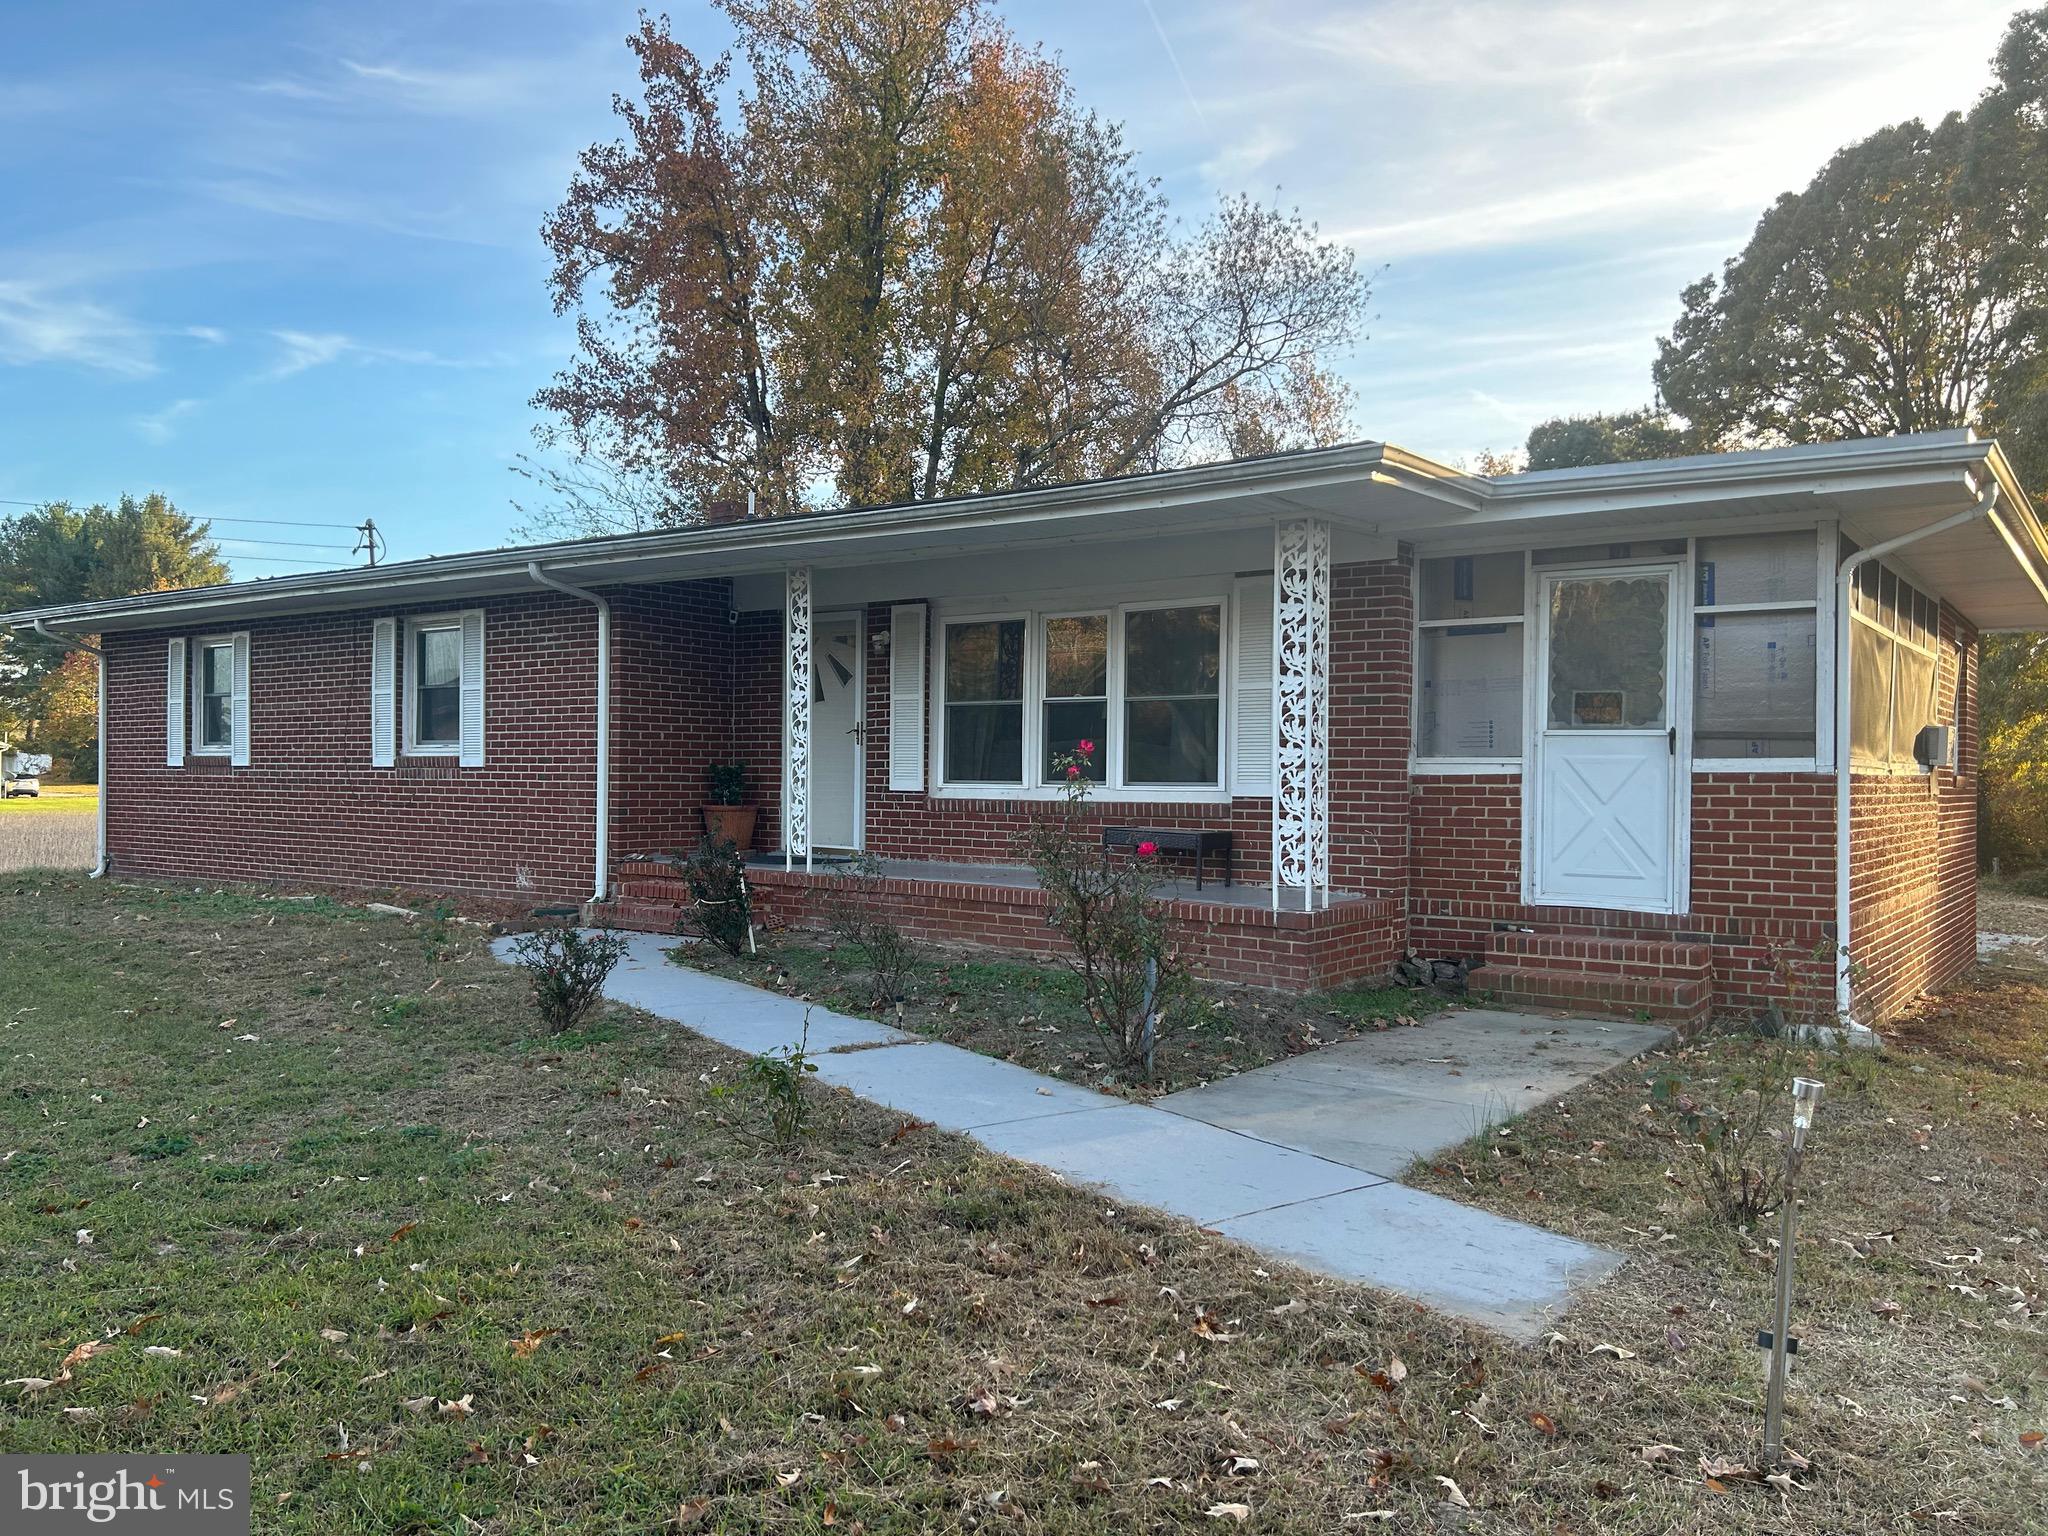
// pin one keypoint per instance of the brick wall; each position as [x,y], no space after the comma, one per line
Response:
[310,809]
[673,710]
[1913,845]
[1762,886]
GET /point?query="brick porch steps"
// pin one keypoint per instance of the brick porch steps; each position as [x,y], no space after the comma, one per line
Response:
[646,898]
[1668,981]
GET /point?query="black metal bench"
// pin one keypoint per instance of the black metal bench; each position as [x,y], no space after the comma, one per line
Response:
[1201,842]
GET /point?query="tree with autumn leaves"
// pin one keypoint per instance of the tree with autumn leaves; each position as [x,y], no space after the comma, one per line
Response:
[878,253]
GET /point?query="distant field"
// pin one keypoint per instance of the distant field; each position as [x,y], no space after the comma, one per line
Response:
[55,831]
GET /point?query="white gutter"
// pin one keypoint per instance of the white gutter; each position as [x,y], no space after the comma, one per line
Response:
[1845,583]
[99,867]
[601,887]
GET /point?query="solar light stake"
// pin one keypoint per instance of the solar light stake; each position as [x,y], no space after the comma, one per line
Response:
[1806,1092]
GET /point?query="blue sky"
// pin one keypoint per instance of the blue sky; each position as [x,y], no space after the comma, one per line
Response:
[281,261]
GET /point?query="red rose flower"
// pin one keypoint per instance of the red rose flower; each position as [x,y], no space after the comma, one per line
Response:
[1085,748]
[1073,770]
[1146,850]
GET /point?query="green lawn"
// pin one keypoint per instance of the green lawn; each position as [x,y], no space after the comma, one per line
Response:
[345,1247]
[55,800]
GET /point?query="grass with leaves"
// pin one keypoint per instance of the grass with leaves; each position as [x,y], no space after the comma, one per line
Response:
[313,1185]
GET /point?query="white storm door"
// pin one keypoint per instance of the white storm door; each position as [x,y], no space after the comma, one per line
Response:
[838,731]
[1605,797]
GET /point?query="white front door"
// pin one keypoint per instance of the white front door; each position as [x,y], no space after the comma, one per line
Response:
[837,732]
[1605,801]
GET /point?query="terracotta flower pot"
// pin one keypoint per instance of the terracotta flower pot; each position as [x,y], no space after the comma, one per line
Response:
[732,822]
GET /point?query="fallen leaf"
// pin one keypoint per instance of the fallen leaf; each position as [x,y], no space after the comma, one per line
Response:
[417,1404]
[461,1408]
[1238,1512]
[1612,1349]
[690,1511]
[531,1340]
[1454,1493]
[162,1351]
[334,1335]
[1544,1423]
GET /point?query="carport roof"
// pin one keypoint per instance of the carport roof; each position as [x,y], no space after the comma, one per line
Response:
[1994,570]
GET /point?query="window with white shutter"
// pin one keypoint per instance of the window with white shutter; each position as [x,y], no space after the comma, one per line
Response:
[906,696]
[1251,673]
[384,693]
[472,755]
[238,724]
[174,706]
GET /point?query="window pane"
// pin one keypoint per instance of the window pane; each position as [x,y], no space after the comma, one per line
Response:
[439,658]
[1172,653]
[216,719]
[1170,741]
[1589,554]
[1753,685]
[1471,586]
[1915,707]
[1608,652]
[1077,657]
[440,711]
[985,743]
[1471,702]
[1067,724]
[1757,568]
[1870,694]
[985,661]
[217,669]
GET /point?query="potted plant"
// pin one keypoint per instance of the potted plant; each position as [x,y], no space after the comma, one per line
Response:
[726,813]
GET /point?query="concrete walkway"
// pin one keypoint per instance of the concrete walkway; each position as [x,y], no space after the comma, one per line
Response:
[1321,1206]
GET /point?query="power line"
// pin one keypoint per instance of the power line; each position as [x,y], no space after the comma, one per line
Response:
[243,522]
[342,549]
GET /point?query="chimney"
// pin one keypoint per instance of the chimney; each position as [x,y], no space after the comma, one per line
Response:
[725,511]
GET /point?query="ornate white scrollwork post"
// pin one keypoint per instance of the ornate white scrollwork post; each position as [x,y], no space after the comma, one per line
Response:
[796,740]
[1301,710]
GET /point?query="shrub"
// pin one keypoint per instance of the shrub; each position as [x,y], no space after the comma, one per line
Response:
[568,968]
[857,920]
[1120,938]
[720,908]
[726,783]
[776,1080]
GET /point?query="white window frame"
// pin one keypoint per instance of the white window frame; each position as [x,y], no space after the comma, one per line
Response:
[1115,788]
[1035,772]
[408,673]
[200,746]
[1500,763]
[1822,605]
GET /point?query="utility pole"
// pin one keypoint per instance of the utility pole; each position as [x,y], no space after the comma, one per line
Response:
[368,540]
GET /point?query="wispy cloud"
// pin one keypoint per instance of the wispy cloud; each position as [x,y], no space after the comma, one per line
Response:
[161,426]
[45,325]
[316,349]
[1241,159]
[321,206]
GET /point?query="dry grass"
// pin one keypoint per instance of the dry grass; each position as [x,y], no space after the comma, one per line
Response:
[59,830]
[891,1331]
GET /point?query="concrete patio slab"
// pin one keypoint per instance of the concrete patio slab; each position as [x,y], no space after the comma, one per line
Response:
[1144,1157]
[955,1090]
[1468,1262]
[1385,1100]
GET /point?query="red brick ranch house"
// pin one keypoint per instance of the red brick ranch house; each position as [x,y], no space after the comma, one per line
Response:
[1635,737]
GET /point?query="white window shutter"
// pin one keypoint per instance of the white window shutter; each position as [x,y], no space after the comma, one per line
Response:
[1251,673]
[174,707]
[906,696]
[238,727]
[473,689]
[384,693]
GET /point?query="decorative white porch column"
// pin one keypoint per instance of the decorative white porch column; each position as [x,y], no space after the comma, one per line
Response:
[796,695]
[1301,710]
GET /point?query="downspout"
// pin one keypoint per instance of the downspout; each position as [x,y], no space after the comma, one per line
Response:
[1845,584]
[602,880]
[71,642]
